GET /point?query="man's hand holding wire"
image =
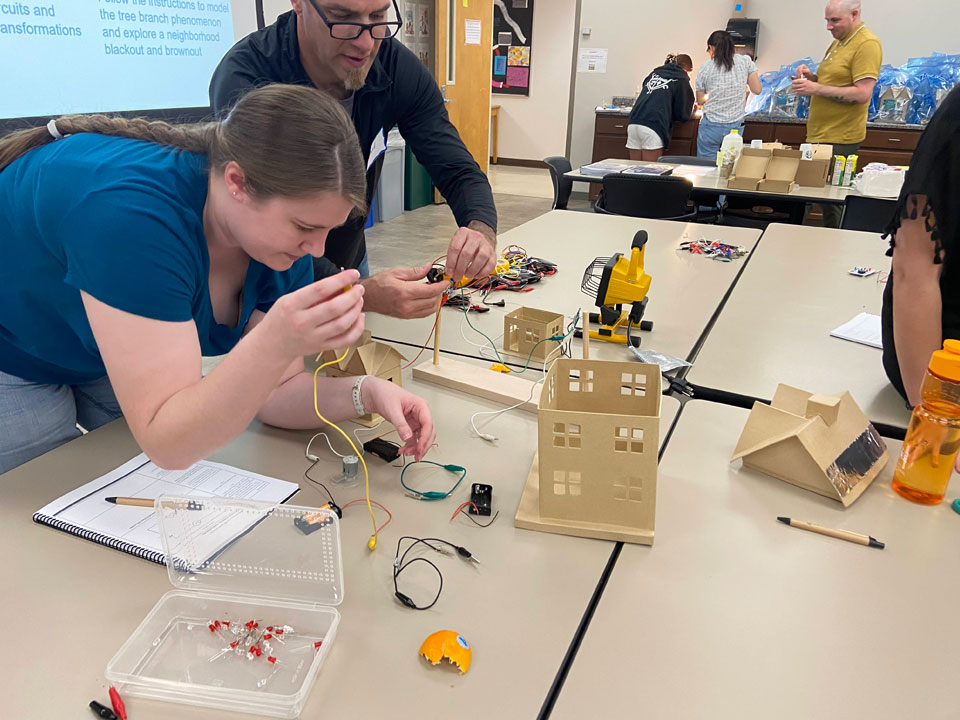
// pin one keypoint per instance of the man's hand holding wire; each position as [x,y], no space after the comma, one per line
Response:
[472,253]
[401,293]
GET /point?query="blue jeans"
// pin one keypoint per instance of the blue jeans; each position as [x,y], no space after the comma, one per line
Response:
[711,135]
[35,418]
[364,267]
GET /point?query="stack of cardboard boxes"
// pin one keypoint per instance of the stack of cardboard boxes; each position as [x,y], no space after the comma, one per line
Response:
[774,168]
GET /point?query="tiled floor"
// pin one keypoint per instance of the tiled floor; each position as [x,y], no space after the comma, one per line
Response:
[419,236]
[530,182]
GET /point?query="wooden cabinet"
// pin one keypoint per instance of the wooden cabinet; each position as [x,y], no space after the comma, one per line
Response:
[891,146]
[610,141]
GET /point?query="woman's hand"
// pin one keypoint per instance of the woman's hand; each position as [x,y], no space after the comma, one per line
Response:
[321,316]
[408,413]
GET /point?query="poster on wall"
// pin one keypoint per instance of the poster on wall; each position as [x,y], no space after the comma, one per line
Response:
[423,52]
[409,20]
[512,43]
[423,21]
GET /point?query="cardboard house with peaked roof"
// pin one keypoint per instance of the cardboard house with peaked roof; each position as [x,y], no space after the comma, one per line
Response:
[597,450]
[367,357]
[822,443]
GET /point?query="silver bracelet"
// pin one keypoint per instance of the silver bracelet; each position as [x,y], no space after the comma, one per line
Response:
[358,397]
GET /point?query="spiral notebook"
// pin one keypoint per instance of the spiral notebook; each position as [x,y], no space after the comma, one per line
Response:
[85,513]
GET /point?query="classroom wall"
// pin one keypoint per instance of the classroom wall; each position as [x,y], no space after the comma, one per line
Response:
[639,35]
[535,127]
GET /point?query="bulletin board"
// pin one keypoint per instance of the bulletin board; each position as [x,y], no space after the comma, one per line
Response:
[512,43]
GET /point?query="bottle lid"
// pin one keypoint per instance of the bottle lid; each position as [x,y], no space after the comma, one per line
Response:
[946,363]
[734,132]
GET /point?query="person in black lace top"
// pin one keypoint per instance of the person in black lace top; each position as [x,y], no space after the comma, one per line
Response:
[921,300]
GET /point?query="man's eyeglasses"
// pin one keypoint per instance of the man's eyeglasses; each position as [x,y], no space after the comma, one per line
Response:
[352,30]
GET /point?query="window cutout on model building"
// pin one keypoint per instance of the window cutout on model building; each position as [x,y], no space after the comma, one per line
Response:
[620,439]
[630,489]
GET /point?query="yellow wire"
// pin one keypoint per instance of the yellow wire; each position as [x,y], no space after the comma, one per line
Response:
[366,475]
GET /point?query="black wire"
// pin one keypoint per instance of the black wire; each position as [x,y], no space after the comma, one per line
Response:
[463,511]
[400,564]
[306,474]
[401,568]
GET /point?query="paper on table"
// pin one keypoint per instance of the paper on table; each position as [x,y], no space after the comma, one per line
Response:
[86,510]
[695,170]
[863,329]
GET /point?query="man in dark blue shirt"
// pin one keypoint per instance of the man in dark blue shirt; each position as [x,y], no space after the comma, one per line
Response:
[346,48]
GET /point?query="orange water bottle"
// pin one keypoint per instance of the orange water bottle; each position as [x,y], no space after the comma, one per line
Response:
[933,438]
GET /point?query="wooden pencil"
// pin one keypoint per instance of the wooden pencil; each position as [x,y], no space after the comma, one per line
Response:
[830,532]
[135,502]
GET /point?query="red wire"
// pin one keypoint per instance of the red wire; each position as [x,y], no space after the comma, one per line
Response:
[426,342]
[462,506]
[372,502]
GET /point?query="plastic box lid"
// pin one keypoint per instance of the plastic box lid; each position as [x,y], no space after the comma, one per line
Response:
[253,549]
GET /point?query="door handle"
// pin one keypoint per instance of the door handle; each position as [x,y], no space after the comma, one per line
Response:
[443,94]
[893,139]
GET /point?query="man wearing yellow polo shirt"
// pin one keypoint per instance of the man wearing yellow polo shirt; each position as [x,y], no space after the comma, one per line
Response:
[841,90]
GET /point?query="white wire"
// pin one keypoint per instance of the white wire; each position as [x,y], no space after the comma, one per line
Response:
[314,458]
[495,413]
[547,364]
[483,347]
[365,429]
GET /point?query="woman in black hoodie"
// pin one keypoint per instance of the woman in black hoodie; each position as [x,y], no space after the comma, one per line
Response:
[665,97]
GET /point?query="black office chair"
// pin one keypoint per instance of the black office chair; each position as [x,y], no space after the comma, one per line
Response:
[687,160]
[708,209]
[561,185]
[661,197]
[869,214]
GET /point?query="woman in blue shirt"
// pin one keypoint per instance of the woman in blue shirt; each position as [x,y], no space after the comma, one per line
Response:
[131,249]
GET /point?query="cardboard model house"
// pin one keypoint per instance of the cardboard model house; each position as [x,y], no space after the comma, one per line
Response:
[367,357]
[822,443]
[525,331]
[595,472]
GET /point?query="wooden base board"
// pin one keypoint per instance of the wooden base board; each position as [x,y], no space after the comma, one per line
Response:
[481,381]
[371,420]
[528,518]
[535,363]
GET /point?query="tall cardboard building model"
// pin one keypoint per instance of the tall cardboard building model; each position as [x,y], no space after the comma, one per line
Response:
[822,443]
[595,473]
[367,357]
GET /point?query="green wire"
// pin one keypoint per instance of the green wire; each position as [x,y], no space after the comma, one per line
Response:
[572,326]
[466,314]
[433,494]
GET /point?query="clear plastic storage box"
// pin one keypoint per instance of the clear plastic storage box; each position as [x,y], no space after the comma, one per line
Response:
[245,575]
